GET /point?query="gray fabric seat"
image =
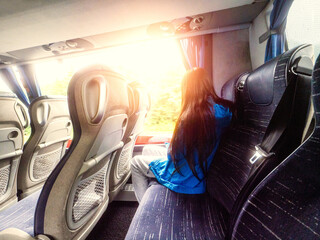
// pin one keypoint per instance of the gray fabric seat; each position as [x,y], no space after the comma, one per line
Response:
[13,119]
[51,129]
[75,195]
[120,170]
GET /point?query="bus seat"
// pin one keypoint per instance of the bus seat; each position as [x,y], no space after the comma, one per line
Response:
[207,216]
[286,204]
[75,194]
[13,118]
[228,89]
[256,103]
[50,131]
[78,187]
[120,170]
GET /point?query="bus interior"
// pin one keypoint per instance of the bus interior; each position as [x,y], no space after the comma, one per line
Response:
[87,85]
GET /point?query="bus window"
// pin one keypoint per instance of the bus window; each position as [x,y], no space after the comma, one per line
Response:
[303,24]
[157,65]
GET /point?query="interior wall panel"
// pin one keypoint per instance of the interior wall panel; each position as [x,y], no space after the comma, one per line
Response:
[230,56]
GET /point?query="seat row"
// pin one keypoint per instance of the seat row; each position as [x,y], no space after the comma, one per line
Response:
[275,197]
[107,114]
[24,168]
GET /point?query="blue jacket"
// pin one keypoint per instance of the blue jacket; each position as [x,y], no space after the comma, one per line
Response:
[186,182]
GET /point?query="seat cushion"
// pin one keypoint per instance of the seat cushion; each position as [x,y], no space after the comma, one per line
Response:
[163,213]
[20,215]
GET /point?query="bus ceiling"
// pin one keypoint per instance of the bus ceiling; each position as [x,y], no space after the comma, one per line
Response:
[179,22]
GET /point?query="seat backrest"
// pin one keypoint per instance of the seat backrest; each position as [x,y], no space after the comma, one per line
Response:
[228,90]
[13,117]
[76,193]
[258,94]
[50,131]
[120,170]
[142,106]
[286,204]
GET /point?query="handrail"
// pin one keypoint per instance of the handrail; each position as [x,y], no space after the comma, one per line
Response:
[11,154]
[95,160]
[47,144]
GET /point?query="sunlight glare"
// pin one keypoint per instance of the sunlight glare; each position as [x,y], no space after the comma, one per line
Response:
[144,62]
[157,65]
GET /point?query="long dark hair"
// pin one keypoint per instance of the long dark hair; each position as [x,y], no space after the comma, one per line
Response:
[196,121]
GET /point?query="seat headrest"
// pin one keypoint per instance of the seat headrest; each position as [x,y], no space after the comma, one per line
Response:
[96,93]
[228,90]
[132,102]
[143,100]
[7,94]
[47,98]
[51,97]
[141,97]
[260,83]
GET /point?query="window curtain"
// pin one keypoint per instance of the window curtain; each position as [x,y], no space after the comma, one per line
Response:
[276,35]
[197,52]
[9,77]
[30,82]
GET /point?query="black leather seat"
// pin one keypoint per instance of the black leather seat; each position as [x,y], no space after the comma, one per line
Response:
[286,204]
[255,106]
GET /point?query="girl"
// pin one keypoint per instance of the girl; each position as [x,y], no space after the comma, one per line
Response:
[197,133]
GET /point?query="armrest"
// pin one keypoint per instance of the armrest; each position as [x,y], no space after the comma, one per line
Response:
[14,234]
